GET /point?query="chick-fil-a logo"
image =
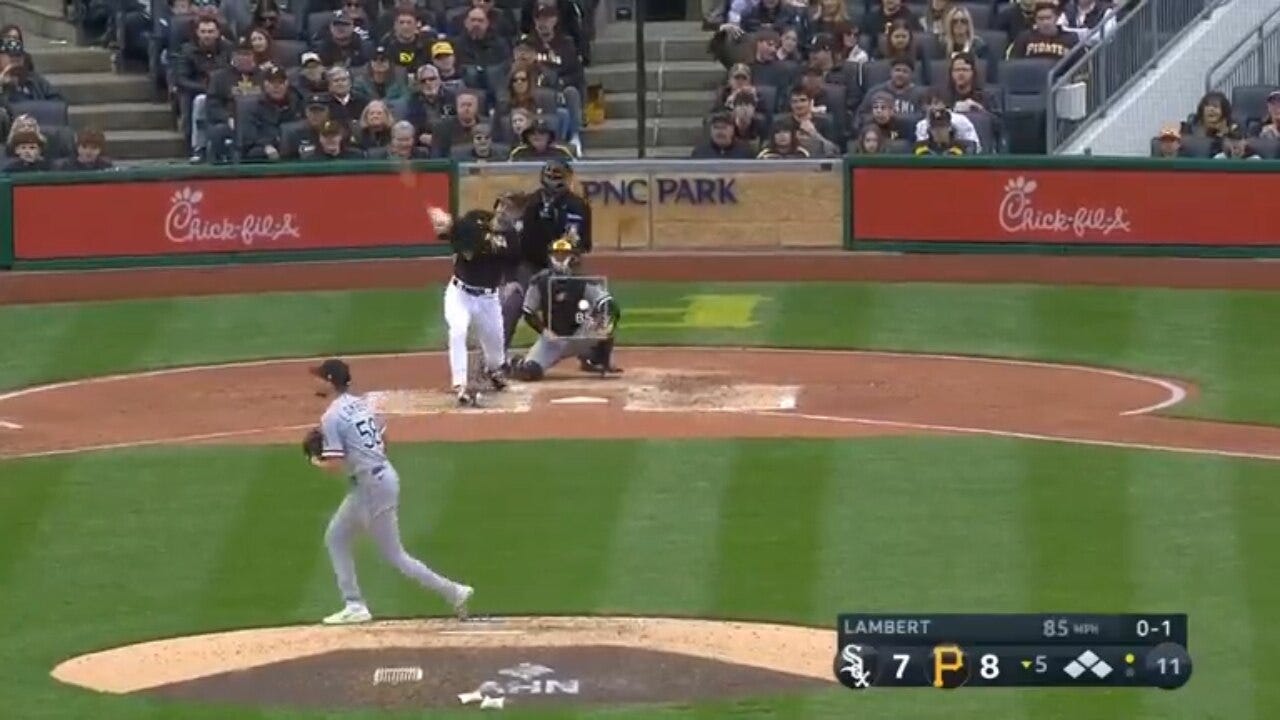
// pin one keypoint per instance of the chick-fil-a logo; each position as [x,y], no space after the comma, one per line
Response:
[1018,213]
[184,224]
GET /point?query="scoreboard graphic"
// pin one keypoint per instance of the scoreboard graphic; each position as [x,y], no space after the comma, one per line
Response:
[1056,650]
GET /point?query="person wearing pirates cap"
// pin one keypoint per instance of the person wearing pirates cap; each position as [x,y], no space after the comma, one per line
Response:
[538,142]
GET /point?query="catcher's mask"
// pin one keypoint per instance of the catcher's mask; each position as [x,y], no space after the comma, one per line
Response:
[562,256]
[556,176]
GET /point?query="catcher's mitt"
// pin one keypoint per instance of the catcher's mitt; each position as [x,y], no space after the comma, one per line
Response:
[313,444]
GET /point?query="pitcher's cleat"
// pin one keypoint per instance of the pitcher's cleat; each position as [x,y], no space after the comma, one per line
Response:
[352,614]
[460,602]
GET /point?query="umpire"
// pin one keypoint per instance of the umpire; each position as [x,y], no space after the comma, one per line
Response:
[553,212]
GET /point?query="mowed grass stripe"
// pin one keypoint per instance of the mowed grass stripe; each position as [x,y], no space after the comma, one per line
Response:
[530,522]
[29,491]
[768,549]
[1186,536]
[1076,528]
[42,332]
[266,549]
[666,532]
[1254,495]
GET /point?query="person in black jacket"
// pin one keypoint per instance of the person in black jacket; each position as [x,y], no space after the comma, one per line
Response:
[27,149]
[556,48]
[89,145]
[569,16]
[302,139]
[18,82]
[429,104]
[341,45]
[192,72]
[334,144]
[407,43]
[277,107]
[721,144]
[479,48]
[227,87]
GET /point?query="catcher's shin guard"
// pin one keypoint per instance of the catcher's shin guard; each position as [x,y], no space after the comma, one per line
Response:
[600,358]
[527,371]
[512,311]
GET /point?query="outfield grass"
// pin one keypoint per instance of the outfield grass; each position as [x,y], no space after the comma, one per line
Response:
[110,548]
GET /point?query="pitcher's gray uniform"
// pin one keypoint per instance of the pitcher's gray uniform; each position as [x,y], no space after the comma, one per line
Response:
[353,432]
[574,308]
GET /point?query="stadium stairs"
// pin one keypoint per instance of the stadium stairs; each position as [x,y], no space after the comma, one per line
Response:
[1170,90]
[120,104]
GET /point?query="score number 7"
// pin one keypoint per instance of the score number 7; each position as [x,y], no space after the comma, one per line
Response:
[902,659]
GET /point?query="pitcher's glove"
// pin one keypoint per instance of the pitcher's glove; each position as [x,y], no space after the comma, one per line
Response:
[313,444]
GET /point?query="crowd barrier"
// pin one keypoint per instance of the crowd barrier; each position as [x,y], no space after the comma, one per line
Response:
[321,211]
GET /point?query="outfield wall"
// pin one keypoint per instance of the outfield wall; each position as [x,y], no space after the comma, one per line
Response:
[184,215]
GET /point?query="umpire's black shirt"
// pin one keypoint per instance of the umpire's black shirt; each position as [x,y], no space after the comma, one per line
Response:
[548,218]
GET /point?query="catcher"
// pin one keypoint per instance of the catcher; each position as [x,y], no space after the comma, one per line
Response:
[485,246]
[573,316]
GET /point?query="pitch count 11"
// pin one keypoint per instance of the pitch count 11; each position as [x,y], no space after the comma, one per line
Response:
[1023,650]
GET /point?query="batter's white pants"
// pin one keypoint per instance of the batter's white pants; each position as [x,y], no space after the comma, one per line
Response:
[460,309]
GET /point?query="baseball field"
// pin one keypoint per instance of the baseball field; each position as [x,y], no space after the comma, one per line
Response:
[904,435]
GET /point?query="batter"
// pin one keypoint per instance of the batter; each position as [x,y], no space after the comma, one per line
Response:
[351,438]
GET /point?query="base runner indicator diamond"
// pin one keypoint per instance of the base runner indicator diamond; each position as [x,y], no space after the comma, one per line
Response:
[1074,669]
[1102,669]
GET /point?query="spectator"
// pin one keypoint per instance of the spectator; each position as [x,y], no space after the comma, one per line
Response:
[880,20]
[538,142]
[311,78]
[883,115]
[408,44]
[789,45]
[526,53]
[260,43]
[721,144]
[769,13]
[374,126]
[13,32]
[555,48]
[279,106]
[27,151]
[520,120]
[345,104]
[739,84]
[195,67]
[870,142]
[478,47]
[301,142]
[1212,120]
[378,79]
[481,147]
[766,69]
[1169,143]
[430,104]
[1085,15]
[456,129]
[17,82]
[847,50]
[898,43]
[89,145]
[403,145]
[266,16]
[1270,127]
[962,129]
[497,20]
[425,17]
[816,130]
[227,87]
[1046,39]
[935,20]
[824,14]
[443,58]
[340,45]
[959,36]
[1236,147]
[940,141]
[964,91]
[783,143]
[822,59]
[333,144]
[136,32]
[901,87]
[519,91]
[811,84]
[1016,18]
[563,14]
[360,22]
[749,126]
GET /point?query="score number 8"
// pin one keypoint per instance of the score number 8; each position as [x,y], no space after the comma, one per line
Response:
[989,666]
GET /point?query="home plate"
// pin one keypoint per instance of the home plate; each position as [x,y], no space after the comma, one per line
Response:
[580,400]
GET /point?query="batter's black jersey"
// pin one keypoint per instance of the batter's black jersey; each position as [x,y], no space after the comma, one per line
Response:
[564,302]
[548,218]
[482,256]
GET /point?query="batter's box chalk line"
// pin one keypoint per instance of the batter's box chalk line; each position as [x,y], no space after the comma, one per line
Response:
[397,675]
[489,695]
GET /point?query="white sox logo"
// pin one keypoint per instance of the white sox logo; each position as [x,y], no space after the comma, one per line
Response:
[854,667]
[184,224]
[1018,213]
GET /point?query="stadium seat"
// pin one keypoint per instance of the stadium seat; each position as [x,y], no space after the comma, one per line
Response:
[980,12]
[1249,102]
[317,22]
[1026,76]
[545,99]
[900,147]
[1197,146]
[399,108]
[984,125]
[49,113]
[1268,148]
[244,109]
[287,53]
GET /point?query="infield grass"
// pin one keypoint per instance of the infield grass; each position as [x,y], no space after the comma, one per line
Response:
[111,548]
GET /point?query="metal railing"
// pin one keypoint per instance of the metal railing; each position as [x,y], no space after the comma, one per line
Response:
[1256,62]
[1119,56]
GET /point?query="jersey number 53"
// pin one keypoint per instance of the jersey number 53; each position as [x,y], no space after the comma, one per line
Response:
[370,433]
